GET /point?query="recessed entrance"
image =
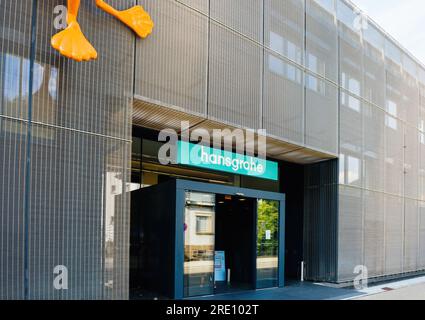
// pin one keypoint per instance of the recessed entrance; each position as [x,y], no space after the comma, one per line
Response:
[231,243]
[195,239]
[234,243]
[219,243]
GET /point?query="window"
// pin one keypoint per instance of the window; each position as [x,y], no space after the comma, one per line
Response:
[276,43]
[350,83]
[16,78]
[316,85]
[14,92]
[390,120]
[353,170]
[283,69]
[392,51]
[350,101]
[276,65]
[315,64]
[204,224]
[349,170]
[285,47]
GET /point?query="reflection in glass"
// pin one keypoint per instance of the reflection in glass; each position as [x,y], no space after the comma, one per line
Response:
[267,243]
[199,244]
[14,91]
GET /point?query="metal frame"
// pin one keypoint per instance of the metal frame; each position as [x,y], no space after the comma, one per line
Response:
[184,185]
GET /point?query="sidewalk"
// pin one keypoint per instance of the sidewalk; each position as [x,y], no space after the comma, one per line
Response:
[293,291]
[412,289]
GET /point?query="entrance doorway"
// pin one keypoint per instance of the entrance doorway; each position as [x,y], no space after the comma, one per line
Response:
[235,242]
[195,239]
[231,242]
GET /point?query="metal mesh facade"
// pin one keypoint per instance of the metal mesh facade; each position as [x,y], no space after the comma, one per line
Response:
[310,73]
[302,69]
[381,163]
[251,64]
[65,154]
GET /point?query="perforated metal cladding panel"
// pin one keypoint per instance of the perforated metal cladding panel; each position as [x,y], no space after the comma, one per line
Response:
[374,219]
[421,122]
[94,96]
[394,155]
[411,234]
[80,140]
[322,39]
[14,74]
[422,167]
[421,222]
[394,81]
[79,215]
[411,163]
[320,249]
[410,90]
[15,33]
[350,232]
[321,115]
[394,237]
[244,16]
[350,50]
[283,111]
[374,66]
[373,147]
[422,138]
[78,209]
[235,82]
[12,194]
[201,5]
[351,140]
[171,65]
[284,28]
[411,101]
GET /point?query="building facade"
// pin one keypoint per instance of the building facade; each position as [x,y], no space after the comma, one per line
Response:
[343,105]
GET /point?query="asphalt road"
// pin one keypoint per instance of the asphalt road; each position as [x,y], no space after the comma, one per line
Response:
[413,292]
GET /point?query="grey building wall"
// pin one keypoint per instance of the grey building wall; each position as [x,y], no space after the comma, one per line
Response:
[244,63]
[303,70]
[298,68]
[321,221]
[382,143]
[64,155]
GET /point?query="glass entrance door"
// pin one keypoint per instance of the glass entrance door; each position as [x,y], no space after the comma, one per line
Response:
[218,233]
[199,220]
[267,243]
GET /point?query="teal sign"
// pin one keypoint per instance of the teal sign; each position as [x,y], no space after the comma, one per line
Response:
[215,159]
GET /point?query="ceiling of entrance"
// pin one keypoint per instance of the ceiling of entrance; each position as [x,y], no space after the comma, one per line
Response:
[156,116]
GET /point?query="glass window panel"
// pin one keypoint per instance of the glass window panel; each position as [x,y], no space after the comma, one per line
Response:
[283,115]
[321,114]
[267,243]
[199,244]
[321,38]
[374,65]
[392,51]
[284,27]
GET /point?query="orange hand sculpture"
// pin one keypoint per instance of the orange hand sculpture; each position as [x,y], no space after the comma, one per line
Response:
[72,43]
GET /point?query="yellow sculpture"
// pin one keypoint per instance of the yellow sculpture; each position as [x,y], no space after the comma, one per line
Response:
[72,43]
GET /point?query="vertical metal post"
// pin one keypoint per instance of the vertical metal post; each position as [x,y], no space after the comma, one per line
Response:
[302,271]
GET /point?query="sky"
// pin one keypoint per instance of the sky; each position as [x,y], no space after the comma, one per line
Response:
[404,20]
